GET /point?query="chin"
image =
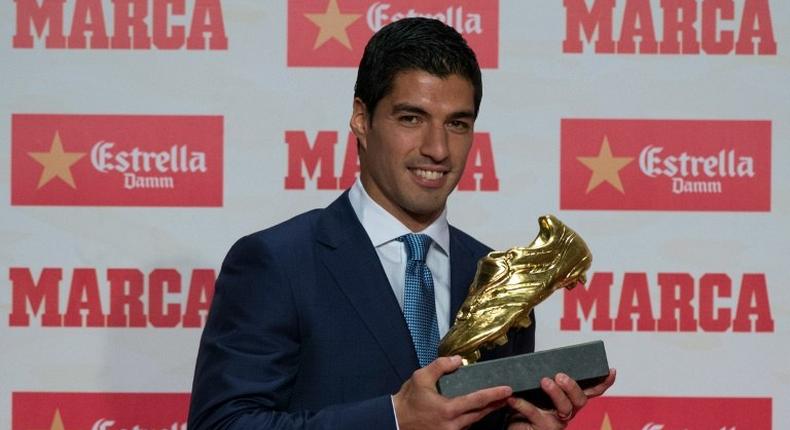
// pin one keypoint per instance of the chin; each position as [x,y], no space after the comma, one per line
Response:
[427,210]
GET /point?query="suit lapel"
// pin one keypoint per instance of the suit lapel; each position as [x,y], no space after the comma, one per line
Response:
[463,265]
[346,251]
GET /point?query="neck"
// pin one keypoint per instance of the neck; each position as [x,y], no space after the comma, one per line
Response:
[415,222]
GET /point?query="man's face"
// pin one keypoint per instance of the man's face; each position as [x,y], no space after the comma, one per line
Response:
[413,151]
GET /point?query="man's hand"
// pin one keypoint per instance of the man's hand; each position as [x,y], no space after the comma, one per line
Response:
[568,399]
[419,406]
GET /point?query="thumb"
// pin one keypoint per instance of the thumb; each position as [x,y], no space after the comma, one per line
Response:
[431,373]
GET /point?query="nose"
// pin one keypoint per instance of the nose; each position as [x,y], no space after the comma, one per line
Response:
[435,143]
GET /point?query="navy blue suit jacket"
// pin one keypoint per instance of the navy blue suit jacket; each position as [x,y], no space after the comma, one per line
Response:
[305,332]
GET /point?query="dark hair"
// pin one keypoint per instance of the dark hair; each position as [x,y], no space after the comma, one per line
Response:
[414,44]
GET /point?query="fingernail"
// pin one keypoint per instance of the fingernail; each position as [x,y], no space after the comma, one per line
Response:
[562,377]
[456,359]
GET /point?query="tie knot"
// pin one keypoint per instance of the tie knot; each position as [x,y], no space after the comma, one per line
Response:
[416,245]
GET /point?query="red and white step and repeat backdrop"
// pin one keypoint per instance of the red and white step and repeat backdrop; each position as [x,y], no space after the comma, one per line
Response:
[140,138]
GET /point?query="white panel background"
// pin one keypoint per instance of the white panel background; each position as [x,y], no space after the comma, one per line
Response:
[534,87]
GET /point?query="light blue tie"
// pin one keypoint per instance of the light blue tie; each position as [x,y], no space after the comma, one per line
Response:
[419,307]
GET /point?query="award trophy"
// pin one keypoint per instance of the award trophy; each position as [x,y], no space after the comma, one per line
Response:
[507,285]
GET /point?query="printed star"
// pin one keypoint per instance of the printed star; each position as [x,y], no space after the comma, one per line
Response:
[332,25]
[57,422]
[56,162]
[606,424]
[605,167]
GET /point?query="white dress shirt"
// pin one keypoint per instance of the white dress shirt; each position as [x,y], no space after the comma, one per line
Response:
[384,231]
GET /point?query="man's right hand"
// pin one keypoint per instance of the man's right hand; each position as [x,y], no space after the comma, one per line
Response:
[418,405]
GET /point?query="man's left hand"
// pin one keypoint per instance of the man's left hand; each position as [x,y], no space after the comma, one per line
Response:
[568,399]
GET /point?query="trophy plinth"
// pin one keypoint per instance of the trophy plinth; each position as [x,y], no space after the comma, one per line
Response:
[586,363]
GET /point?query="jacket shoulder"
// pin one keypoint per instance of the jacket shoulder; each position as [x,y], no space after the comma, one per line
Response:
[288,233]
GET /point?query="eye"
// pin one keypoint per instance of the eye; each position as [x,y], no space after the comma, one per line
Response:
[459,126]
[410,120]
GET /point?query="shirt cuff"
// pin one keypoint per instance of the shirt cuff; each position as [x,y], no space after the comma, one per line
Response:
[394,415]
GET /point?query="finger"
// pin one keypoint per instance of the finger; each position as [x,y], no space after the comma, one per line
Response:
[516,417]
[479,400]
[470,418]
[537,417]
[431,373]
[520,425]
[572,390]
[603,386]
[562,404]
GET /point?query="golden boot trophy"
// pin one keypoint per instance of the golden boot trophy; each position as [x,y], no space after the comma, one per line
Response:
[507,285]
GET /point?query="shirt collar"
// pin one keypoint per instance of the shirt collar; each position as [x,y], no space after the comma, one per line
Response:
[382,227]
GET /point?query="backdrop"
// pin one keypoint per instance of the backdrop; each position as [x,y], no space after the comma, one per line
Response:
[141,138]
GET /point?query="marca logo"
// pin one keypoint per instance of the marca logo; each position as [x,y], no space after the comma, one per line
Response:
[712,303]
[134,24]
[130,298]
[685,27]
[665,165]
[674,413]
[334,32]
[116,160]
[317,161]
[99,411]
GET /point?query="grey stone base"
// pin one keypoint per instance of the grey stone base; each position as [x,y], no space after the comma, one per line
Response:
[585,362]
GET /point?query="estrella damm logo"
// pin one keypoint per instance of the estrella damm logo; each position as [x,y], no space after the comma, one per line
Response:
[333,33]
[674,413]
[674,165]
[116,160]
[98,411]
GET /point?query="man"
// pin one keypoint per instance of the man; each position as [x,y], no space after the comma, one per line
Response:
[313,321]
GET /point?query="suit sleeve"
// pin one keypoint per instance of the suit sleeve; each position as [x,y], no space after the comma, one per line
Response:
[249,354]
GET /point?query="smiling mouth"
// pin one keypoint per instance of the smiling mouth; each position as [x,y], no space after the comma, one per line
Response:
[430,175]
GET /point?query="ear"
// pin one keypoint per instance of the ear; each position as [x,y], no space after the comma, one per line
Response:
[359,122]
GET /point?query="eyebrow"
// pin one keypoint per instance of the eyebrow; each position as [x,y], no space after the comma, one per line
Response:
[410,108]
[406,107]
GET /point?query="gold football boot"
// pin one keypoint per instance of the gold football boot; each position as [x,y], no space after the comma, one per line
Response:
[508,284]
